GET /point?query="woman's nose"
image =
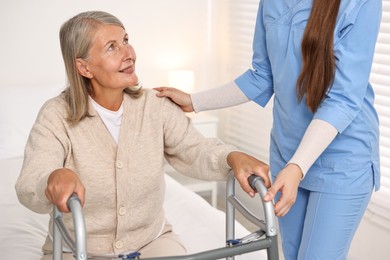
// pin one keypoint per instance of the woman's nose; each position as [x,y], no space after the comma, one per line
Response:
[128,53]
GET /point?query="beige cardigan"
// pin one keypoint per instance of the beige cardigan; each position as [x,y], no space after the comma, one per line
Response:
[125,182]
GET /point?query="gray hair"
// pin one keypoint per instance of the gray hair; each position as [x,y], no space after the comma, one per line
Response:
[76,35]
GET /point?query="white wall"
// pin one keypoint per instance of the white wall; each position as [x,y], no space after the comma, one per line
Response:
[167,35]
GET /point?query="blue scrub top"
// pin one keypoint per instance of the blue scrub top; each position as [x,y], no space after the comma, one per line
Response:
[350,164]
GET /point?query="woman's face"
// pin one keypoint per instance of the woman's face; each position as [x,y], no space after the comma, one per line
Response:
[111,61]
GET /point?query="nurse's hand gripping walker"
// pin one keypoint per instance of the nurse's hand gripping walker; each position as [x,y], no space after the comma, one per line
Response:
[264,238]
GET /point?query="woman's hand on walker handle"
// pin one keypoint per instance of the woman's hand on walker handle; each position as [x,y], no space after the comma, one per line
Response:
[61,184]
[287,182]
[182,99]
[244,166]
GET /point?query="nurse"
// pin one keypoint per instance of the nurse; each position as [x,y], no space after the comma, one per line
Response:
[314,58]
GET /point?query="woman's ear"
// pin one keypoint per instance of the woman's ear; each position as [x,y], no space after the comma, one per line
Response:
[82,68]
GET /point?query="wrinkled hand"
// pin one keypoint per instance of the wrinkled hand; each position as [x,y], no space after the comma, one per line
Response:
[287,182]
[244,166]
[182,99]
[62,183]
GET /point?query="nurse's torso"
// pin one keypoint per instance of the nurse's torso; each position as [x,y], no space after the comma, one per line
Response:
[353,151]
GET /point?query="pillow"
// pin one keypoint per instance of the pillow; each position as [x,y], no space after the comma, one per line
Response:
[18,110]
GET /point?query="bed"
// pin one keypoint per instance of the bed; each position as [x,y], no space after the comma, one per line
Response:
[22,232]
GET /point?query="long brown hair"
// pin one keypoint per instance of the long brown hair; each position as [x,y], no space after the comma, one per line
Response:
[318,68]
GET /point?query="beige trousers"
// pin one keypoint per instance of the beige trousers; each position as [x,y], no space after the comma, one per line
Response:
[167,244]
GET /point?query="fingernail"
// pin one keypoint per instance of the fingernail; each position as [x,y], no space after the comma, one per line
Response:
[251,194]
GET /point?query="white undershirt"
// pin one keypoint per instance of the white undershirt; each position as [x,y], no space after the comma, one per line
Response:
[111,119]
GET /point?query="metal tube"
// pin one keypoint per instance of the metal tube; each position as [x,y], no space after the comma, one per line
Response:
[57,238]
[74,205]
[273,250]
[246,213]
[230,213]
[269,213]
[60,231]
[221,252]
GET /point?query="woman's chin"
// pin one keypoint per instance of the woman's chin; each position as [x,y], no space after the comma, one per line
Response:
[134,81]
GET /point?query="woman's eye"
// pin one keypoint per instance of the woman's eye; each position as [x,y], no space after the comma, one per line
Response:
[126,41]
[111,47]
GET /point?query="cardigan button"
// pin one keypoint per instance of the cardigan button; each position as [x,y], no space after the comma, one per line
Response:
[119,164]
[119,244]
[122,211]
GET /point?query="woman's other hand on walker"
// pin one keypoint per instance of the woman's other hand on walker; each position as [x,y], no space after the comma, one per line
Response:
[244,166]
[182,99]
[61,184]
[287,182]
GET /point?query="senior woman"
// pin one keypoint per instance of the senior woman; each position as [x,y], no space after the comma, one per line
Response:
[105,139]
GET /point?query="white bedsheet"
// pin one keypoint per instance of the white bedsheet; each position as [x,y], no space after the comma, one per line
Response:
[22,232]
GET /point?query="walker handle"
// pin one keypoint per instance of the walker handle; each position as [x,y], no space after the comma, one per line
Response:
[60,231]
[257,183]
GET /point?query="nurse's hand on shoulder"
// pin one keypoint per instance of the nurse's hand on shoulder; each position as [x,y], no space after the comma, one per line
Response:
[182,99]
[287,182]
[61,184]
[243,166]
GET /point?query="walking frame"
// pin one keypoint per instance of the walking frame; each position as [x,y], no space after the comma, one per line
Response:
[263,239]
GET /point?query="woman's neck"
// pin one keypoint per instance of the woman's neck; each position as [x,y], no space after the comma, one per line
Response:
[110,101]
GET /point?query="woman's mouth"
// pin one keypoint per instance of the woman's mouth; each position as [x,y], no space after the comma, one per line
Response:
[129,69]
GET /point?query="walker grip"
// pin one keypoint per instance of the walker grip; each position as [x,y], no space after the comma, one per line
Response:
[252,180]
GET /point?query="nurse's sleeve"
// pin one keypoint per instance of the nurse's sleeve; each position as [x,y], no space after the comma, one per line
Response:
[319,134]
[227,95]
[355,40]
[257,83]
